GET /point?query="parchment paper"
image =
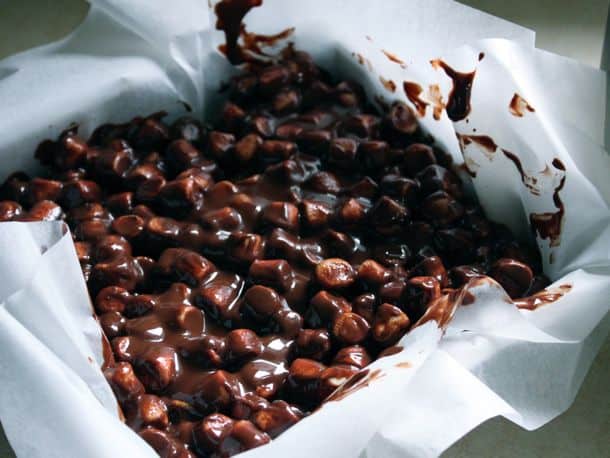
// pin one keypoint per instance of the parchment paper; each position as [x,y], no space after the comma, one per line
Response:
[140,56]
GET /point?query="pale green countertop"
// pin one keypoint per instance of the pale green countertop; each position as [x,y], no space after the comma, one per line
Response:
[568,27]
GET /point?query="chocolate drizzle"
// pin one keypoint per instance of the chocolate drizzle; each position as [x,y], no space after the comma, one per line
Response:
[529,181]
[388,84]
[458,103]
[518,105]
[548,225]
[413,92]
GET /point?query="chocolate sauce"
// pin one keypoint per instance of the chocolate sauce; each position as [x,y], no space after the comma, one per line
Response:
[413,92]
[388,84]
[518,105]
[458,103]
[548,225]
[544,297]
[230,14]
[529,181]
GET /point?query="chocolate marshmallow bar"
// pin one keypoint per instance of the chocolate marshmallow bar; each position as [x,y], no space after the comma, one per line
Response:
[243,270]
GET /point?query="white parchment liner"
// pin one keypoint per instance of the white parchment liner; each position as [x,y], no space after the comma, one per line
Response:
[140,56]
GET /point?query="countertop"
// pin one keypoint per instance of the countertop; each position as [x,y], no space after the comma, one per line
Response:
[574,29]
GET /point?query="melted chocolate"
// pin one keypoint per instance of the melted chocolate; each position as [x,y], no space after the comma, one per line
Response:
[529,181]
[230,14]
[107,354]
[413,92]
[442,309]
[544,297]
[458,103]
[548,225]
[518,105]
[388,84]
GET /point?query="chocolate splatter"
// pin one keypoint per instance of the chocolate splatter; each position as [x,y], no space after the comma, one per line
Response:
[544,297]
[413,91]
[363,61]
[518,105]
[394,58]
[458,104]
[388,84]
[356,382]
[481,56]
[487,144]
[436,98]
[404,365]
[529,181]
[548,225]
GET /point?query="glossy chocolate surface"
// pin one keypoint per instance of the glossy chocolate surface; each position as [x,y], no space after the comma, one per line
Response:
[243,270]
